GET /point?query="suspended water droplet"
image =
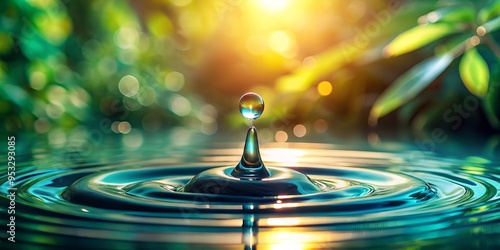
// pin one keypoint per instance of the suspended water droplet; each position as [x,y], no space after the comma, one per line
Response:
[250,177]
[251,166]
[251,105]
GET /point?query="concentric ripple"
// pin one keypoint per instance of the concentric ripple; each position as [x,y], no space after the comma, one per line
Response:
[366,199]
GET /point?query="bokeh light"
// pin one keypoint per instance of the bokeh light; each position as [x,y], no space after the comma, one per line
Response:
[281,136]
[299,130]
[319,65]
[180,105]
[174,81]
[320,125]
[129,86]
[124,127]
[325,88]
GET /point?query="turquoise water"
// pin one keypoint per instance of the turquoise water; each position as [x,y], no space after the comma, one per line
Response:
[117,197]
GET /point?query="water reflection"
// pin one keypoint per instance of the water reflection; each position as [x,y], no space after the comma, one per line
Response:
[377,199]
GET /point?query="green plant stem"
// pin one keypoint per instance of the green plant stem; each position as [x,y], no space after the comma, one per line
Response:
[492,45]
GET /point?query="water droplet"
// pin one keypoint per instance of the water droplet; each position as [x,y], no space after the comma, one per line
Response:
[251,105]
[251,166]
[250,177]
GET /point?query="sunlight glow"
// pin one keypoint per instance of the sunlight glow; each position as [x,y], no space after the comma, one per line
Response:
[284,43]
[288,246]
[295,239]
[282,221]
[284,205]
[284,155]
[273,5]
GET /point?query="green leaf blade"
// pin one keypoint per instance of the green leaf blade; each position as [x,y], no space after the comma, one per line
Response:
[409,85]
[491,10]
[474,72]
[452,14]
[490,26]
[418,37]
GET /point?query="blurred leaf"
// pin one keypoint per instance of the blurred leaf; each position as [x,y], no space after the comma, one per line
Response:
[53,26]
[408,111]
[409,85]
[6,43]
[491,25]
[16,95]
[417,37]
[474,72]
[451,14]
[328,61]
[455,43]
[491,10]
[492,100]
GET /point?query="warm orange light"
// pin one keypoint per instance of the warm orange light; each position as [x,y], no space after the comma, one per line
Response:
[289,239]
[285,205]
[281,136]
[310,62]
[320,125]
[299,130]
[284,155]
[124,127]
[256,45]
[284,43]
[325,88]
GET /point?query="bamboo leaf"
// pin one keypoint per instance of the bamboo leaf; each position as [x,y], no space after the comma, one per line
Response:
[409,85]
[452,14]
[474,72]
[16,95]
[489,27]
[491,10]
[329,61]
[417,37]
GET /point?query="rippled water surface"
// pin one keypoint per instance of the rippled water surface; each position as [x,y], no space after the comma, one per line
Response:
[114,198]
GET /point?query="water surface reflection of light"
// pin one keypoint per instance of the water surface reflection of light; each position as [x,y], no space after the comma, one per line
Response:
[284,155]
[296,238]
[282,221]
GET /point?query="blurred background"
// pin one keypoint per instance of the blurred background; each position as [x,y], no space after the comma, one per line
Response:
[423,71]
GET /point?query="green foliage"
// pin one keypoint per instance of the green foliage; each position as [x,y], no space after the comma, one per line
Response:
[418,37]
[461,33]
[491,25]
[409,85]
[474,72]
[473,68]
[61,63]
[453,14]
[489,11]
